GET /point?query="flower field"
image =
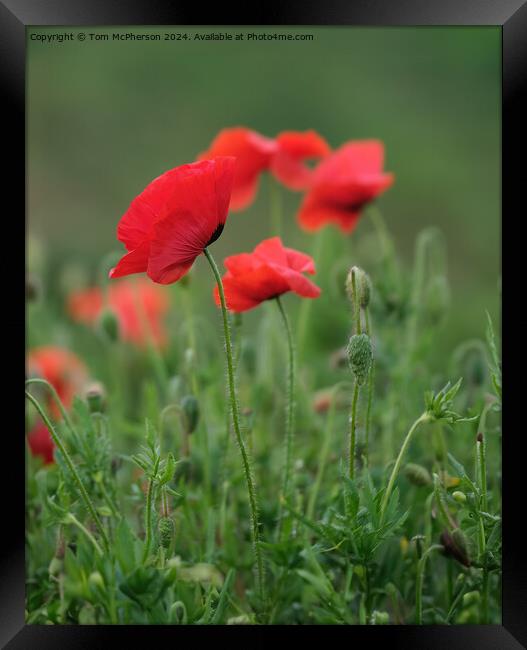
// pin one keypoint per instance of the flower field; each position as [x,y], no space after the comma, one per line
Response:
[266,437]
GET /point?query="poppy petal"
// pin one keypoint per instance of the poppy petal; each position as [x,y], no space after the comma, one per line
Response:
[136,261]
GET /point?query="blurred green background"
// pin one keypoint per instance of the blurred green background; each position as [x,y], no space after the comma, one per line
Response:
[105,118]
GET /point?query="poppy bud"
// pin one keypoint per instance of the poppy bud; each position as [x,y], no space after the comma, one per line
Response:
[95,395]
[165,528]
[460,497]
[471,598]
[362,285]
[417,474]
[380,618]
[96,580]
[437,298]
[456,546]
[190,413]
[109,324]
[360,356]
[418,541]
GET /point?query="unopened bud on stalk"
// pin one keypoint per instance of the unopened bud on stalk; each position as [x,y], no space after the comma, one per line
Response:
[456,546]
[460,497]
[437,298]
[165,528]
[190,413]
[55,566]
[417,474]
[380,618]
[362,285]
[95,395]
[96,580]
[109,324]
[360,356]
[418,541]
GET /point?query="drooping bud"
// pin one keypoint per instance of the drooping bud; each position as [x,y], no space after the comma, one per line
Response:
[95,395]
[55,566]
[437,298]
[456,546]
[417,474]
[460,497]
[362,286]
[96,580]
[109,324]
[360,356]
[189,413]
[166,529]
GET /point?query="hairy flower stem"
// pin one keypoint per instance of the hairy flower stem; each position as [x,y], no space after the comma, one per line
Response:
[370,395]
[481,473]
[424,417]
[69,462]
[419,579]
[353,427]
[148,520]
[251,489]
[290,414]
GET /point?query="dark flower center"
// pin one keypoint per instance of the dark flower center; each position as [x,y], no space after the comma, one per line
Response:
[215,234]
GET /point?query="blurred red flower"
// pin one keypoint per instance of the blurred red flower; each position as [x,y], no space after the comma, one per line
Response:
[343,184]
[284,157]
[175,217]
[67,374]
[269,271]
[139,306]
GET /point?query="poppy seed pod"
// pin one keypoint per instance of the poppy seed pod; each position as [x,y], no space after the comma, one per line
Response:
[165,528]
[417,474]
[362,285]
[360,356]
[109,324]
[190,413]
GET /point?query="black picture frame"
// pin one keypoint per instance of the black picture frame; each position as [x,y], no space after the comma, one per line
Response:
[511,17]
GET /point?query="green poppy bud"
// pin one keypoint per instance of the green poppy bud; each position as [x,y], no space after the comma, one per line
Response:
[362,285]
[460,497]
[380,618]
[471,598]
[190,413]
[166,529]
[95,395]
[417,474]
[360,356]
[109,324]
[456,546]
[437,298]
[96,580]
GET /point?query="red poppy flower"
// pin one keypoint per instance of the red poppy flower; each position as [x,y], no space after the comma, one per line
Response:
[175,217]
[67,374]
[254,153]
[139,307]
[268,272]
[343,184]
[41,443]
[294,148]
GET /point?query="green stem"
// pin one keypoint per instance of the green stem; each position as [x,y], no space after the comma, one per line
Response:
[325,449]
[251,490]
[424,417]
[419,578]
[73,520]
[370,395]
[52,390]
[148,520]
[290,411]
[84,494]
[353,426]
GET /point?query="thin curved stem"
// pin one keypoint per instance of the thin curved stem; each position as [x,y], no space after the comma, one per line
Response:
[424,417]
[251,489]
[148,520]
[55,395]
[419,579]
[84,494]
[290,410]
